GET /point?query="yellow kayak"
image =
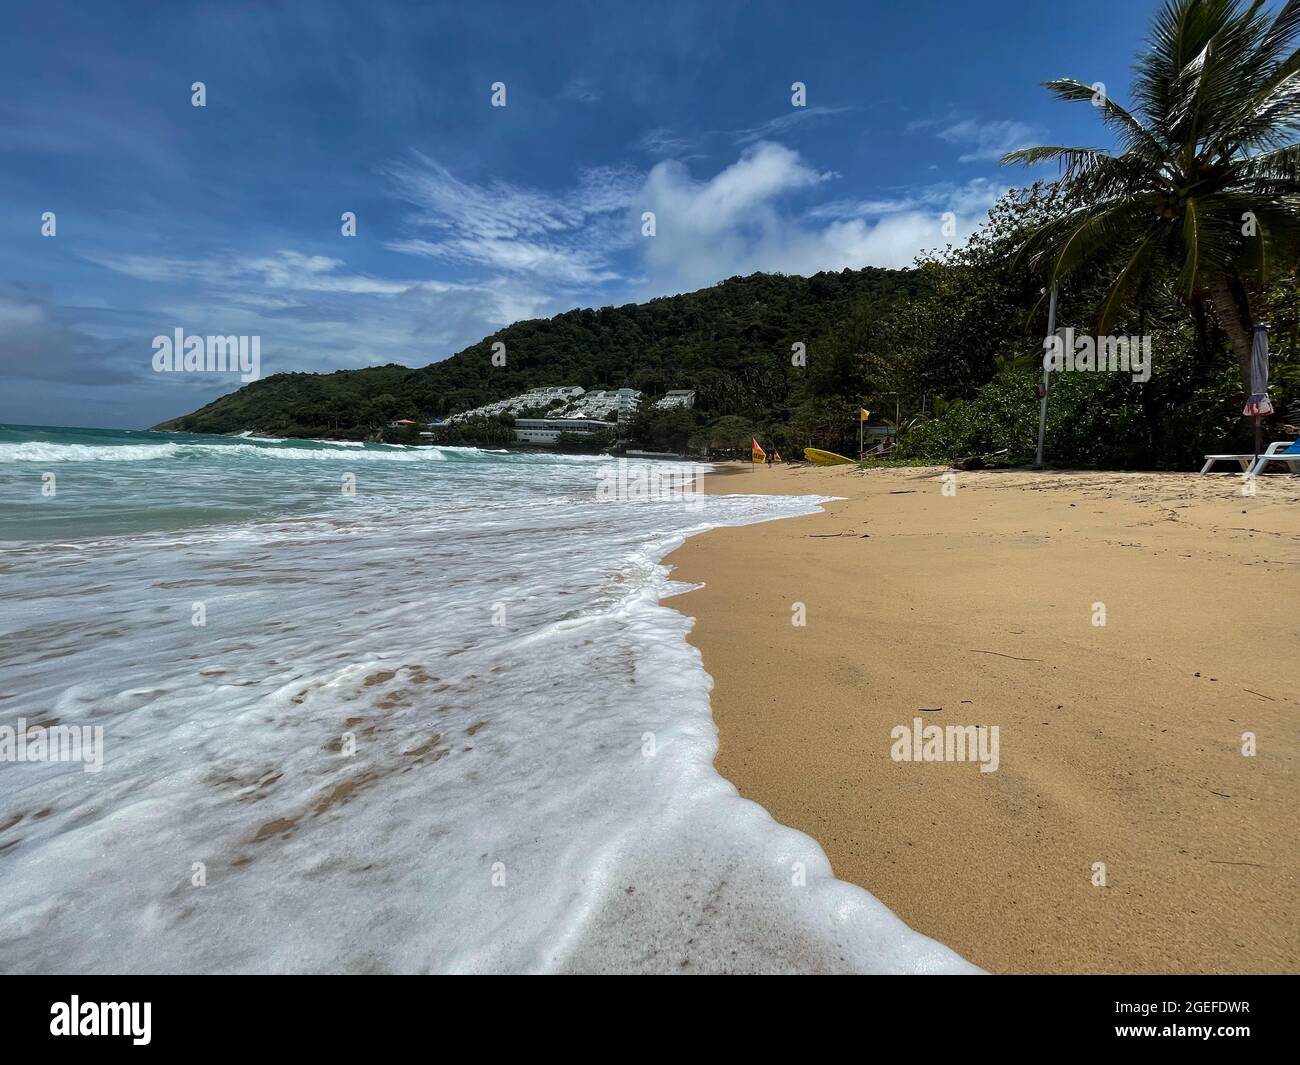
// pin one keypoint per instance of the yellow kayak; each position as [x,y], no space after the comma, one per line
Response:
[825,458]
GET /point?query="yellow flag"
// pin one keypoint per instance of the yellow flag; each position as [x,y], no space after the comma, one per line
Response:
[863,414]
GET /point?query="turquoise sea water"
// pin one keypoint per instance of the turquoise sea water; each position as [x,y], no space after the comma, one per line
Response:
[377,709]
[115,482]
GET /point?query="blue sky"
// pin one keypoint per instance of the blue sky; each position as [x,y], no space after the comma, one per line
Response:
[225,219]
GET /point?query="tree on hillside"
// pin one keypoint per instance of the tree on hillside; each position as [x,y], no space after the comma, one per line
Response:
[828,423]
[972,307]
[730,431]
[1206,182]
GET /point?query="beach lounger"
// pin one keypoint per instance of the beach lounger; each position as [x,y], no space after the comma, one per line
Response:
[1289,454]
[1244,461]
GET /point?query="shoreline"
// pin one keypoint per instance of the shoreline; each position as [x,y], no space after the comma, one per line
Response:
[1120,743]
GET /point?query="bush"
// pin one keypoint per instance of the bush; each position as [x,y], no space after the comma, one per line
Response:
[1099,419]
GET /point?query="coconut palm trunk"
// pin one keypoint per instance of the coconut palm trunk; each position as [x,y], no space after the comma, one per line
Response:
[1235,323]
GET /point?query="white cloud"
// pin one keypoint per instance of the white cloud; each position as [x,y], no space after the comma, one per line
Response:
[836,210]
[974,197]
[735,194]
[739,222]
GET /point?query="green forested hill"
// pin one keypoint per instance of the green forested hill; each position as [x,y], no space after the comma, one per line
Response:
[731,343]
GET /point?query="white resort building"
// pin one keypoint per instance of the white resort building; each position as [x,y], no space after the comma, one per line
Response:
[571,409]
[622,401]
[561,396]
[562,401]
[678,397]
[547,430]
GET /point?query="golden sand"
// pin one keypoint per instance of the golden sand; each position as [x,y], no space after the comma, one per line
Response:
[1120,743]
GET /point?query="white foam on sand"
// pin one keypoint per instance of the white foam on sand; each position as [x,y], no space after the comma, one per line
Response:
[468,740]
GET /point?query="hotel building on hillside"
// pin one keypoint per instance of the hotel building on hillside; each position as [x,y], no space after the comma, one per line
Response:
[572,409]
[547,430]
[677,397]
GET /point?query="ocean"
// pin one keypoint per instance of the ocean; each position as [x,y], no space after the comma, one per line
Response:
[370,708]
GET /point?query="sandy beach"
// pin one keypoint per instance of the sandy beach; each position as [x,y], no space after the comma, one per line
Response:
[1121,744]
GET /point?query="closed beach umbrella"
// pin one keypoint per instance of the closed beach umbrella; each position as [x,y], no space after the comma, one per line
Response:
[1257,404]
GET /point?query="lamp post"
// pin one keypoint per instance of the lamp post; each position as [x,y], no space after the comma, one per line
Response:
[1042,407]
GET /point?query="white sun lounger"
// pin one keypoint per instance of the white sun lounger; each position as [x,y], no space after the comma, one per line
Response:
[1279,452]
[1246,461]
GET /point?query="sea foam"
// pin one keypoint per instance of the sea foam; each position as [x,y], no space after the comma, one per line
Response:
[443,726]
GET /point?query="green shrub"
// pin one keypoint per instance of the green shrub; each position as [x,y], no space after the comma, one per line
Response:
[1102,420]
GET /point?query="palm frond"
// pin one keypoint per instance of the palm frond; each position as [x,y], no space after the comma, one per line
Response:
[1191,270]
[1128,280]
[1266,116]
[1135,136]
[1282,165]
[1283,29]
[1212,240]
[1075,160]
[1096,230]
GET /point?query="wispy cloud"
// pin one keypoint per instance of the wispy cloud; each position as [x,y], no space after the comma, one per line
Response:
[551,262]
[580,90]
[285,270]
[668,144]
[664,143]
[972,198]
[567,237]
[311,312]
[785,123]
[987,141]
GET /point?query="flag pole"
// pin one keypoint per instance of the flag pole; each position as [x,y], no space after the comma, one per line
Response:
[1042,407]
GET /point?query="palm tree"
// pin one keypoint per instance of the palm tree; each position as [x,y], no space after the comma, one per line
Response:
[1206,179]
